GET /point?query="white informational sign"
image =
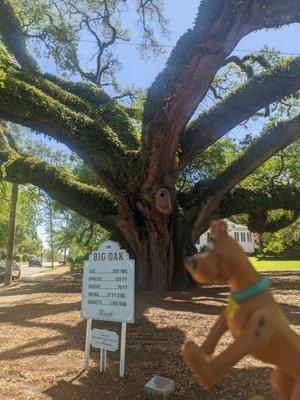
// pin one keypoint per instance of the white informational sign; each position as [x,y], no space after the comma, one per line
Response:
[108,285]
[103,339]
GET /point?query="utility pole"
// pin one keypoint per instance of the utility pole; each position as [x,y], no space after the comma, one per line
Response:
[11,235]
[51,233]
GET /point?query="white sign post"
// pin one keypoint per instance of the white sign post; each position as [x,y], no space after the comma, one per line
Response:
[104,340]
[108,295]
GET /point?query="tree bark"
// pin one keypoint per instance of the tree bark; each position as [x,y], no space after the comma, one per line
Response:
[158,242]
[11,235]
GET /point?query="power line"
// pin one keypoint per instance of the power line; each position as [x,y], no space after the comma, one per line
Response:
[261,51]
[172,46]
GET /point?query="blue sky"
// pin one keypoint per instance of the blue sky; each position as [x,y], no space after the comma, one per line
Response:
[141,73]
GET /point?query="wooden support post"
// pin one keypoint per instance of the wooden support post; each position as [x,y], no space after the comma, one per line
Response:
[122,351]
[87,343]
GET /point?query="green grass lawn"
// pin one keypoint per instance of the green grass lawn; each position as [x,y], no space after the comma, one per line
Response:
[274,264]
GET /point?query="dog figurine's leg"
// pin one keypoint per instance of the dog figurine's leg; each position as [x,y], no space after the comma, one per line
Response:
[296,390]
[208,370]
[282,384]
[215,335]
[257,398]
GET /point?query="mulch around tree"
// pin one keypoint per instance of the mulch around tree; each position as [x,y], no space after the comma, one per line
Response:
[42,343]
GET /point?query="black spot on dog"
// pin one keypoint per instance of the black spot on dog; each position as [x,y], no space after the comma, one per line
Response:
[256,333]
[262,321]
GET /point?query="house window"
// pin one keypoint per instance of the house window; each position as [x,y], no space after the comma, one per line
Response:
[243,237]
[237,236]
[249,237]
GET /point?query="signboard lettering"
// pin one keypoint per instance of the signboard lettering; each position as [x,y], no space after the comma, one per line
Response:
[108,285]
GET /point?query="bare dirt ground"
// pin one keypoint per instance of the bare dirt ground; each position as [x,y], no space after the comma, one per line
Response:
[42,342]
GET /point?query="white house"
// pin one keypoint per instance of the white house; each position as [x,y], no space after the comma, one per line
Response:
[239,232]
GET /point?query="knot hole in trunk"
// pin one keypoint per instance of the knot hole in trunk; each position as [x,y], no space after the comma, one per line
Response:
[163,202]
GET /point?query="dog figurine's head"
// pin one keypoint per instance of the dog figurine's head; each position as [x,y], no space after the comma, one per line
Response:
[213,266]
[207,268]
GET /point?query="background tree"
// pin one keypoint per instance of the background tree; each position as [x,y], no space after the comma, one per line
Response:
[26,238]
[77,238]
[4,196]
[136,164]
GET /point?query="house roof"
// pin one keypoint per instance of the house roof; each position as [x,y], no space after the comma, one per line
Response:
[234,225]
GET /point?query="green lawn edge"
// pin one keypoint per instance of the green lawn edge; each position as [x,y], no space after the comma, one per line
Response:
[274,265]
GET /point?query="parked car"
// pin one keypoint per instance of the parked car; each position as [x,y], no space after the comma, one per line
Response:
[16,271]
[35,262]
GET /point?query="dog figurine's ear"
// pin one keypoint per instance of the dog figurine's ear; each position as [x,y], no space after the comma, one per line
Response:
[218,229]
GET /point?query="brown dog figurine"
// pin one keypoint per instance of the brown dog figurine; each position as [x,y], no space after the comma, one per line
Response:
[252,316]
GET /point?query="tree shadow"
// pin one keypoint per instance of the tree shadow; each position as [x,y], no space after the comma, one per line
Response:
[153,347]
[240,384]
[284,280]
[200,301]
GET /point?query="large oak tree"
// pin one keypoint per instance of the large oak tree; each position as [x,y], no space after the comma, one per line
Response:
[137,164]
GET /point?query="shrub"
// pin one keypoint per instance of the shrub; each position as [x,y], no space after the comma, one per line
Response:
[25,257]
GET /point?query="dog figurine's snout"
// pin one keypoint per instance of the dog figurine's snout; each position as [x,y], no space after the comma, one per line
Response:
[190,264]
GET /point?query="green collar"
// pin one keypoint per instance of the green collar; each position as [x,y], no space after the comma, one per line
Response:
[251,291]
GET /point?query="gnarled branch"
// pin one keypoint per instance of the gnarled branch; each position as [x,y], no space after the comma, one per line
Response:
[90,99]
[257,203]
[91,139]
[210,196]
[252,96]
[177,91]
[88,201]
[13,37]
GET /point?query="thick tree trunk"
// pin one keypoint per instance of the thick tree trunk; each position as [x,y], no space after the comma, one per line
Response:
[158,248]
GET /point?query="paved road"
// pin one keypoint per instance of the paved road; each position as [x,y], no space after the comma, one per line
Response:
[28,271]
[28,284]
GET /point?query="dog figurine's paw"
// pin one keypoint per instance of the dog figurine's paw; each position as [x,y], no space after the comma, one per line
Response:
[198,362]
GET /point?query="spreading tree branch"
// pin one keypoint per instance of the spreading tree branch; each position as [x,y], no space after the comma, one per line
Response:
[257,203]
[209,196]
[13,37]
[274,139]
[97,144]
[88,201]
[175,94]
[247,68]
[255,94]
[93,99]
